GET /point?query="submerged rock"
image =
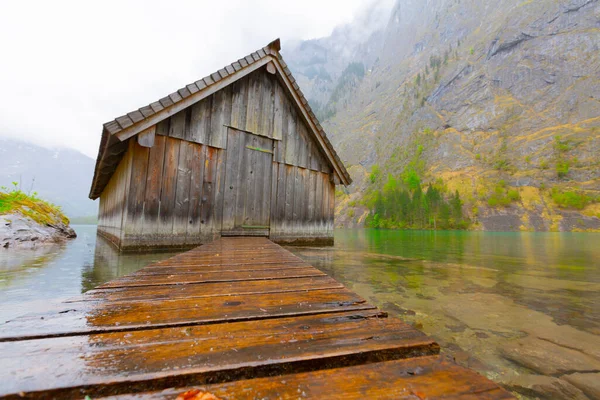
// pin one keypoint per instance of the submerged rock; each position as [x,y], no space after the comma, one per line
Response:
[548,358]
[18,231]
[544,387]
[588,383]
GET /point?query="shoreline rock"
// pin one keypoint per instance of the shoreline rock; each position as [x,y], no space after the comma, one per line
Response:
[20,232]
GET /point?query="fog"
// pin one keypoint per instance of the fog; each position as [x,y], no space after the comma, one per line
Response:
[69,66]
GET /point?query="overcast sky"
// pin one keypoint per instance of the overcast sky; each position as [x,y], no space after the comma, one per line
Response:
[66,67]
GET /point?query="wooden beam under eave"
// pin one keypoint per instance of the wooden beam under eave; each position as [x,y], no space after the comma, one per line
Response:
[146,137]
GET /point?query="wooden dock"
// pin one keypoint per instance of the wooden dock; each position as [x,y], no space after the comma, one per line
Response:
[240,318]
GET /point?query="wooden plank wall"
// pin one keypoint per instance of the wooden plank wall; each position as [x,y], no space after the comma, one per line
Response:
[259,104]
[303,205]
[177,185]
[113,200]
[247,200]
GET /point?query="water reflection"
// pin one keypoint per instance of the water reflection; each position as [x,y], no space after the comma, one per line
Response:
[36,280]
[516,307]
[109,264]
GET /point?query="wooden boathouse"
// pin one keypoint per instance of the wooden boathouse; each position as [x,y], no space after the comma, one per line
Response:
[237,153]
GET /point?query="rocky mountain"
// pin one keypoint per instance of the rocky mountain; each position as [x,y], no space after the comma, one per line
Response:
[321,65]
[498,100]
[61,176]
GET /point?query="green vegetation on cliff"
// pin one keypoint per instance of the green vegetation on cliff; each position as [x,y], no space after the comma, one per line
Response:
[398,206]
[15,201]
[403,202]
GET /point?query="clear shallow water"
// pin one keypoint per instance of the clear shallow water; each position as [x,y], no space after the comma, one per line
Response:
[35,280]
[514,306]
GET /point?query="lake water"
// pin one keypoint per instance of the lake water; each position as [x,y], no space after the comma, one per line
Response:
[514,306]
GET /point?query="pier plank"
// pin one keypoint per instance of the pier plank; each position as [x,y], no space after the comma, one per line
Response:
[205,277]
[83,318]
[209,290]
[206,353]
[428,377]
[195,268]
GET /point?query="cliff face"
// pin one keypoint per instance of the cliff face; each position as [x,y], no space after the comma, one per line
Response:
[490,92]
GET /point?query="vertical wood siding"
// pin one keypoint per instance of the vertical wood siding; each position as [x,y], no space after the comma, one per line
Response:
[113,202]
[177,192]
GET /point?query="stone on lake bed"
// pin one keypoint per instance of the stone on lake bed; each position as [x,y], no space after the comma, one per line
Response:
[588,383]
[544,387]
[548,358]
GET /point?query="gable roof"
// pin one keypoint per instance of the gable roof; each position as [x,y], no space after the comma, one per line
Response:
[116,133]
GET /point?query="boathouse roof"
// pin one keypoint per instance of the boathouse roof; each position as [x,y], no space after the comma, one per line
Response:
[116,132]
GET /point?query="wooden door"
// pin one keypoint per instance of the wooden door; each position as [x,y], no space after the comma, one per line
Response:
[247,199]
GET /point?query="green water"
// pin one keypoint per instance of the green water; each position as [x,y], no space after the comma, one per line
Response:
[514,306]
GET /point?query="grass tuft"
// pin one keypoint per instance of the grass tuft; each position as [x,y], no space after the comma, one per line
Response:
[41,211]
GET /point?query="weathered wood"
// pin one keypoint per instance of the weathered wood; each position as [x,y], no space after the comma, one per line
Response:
[429,377]
[84,318]
[146,137]
[210,289]
[204,354]
[271,68]
[169,190]
[193,268]
[200,121]
[154,185]
[182,192]
[194,225]
[259,108]
[233,171]
[247,184]
[114,202]
[133,225]
[239,104]
[205,277]
[177,126]
[220,118]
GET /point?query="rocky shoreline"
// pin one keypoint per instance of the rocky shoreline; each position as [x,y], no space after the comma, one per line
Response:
[20,232]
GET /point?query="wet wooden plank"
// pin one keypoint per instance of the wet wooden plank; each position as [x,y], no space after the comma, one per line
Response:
[192,268]
[123,361]
[85,318]
[429,377]
[205,277]
[209,290]
[240,258]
